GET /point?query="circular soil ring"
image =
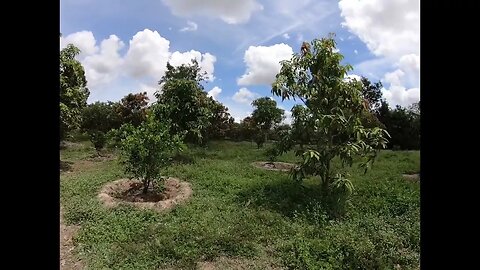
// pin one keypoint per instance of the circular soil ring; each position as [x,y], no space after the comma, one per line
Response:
[274,166]
[129,191]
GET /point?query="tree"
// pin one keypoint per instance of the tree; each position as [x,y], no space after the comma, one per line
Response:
[372,93]
[220,120]
[403,124]
[334,108]
[301,131]
[265,115]
[147,149]
[133,108]
[183,101]
[97,119]
[73,90]
[248,129]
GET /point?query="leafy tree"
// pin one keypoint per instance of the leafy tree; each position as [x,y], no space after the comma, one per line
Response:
[372,93]
[265,115]
[334,107]
[248,129]
[73,90]
[97,119]
[133,108]
[220,121]
[183,101]
[301,130]
[147,150]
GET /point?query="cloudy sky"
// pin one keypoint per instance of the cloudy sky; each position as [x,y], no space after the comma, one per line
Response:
[126,44]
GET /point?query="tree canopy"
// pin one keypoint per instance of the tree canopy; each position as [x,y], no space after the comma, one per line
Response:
[73,90]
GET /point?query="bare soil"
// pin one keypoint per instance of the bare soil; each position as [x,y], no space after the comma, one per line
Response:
[67,260]
[129,191]
[274,166]
[412,177]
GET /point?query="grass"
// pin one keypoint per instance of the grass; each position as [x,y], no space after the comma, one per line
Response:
[241,212]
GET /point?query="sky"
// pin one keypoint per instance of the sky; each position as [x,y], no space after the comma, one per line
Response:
[125,45]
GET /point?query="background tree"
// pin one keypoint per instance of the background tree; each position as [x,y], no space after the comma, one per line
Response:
[133,108]
[403,124]
[335,107]
[73,90]
[183,101]
[220,121]
[302,130]
[372,93]
[97,119]
[147,149]
[248,129]
[265,115]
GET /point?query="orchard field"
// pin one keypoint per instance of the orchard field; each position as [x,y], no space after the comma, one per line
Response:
[243,217]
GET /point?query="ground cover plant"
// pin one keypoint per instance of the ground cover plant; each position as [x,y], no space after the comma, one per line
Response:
[240,215]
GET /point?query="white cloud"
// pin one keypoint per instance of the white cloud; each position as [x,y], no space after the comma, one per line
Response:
[355,51]
[103,67]
[84,40]
[231,12]
[388,27]
[399,95]
[391,30]
[147,55]
[150,89]
[192,26]
[286,36]
[215,92]
[244,96]
[288,118]
[351,77]
[263,63]
[141,66]
[205,61]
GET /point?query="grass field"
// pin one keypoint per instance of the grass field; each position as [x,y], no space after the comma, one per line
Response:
[242,216]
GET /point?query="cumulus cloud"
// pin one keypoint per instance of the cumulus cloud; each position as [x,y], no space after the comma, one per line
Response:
[104,66]
[205,61]
[84,40]
[147,55]
[192,26]
[355,51]
[286,36]
[399,95]
[215,92]
[391,30]
[244,96]
[388,27]
[263,63]
[144,63]
[231,12]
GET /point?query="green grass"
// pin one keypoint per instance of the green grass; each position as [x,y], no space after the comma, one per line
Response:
[239,211]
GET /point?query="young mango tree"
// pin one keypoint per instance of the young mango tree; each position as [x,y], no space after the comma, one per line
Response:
[97,120]
[148,149]
[182,100]
[265,115]
[333,111]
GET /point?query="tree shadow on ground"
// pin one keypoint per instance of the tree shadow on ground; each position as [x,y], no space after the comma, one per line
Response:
[182,158]
[65,166]
[287,197]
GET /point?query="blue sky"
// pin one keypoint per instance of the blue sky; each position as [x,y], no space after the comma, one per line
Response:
[126,44]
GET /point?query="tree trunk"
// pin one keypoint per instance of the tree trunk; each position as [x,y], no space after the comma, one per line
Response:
[146,184]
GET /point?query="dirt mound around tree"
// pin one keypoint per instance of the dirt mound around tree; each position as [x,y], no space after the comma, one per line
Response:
[129,191]
[274,166]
